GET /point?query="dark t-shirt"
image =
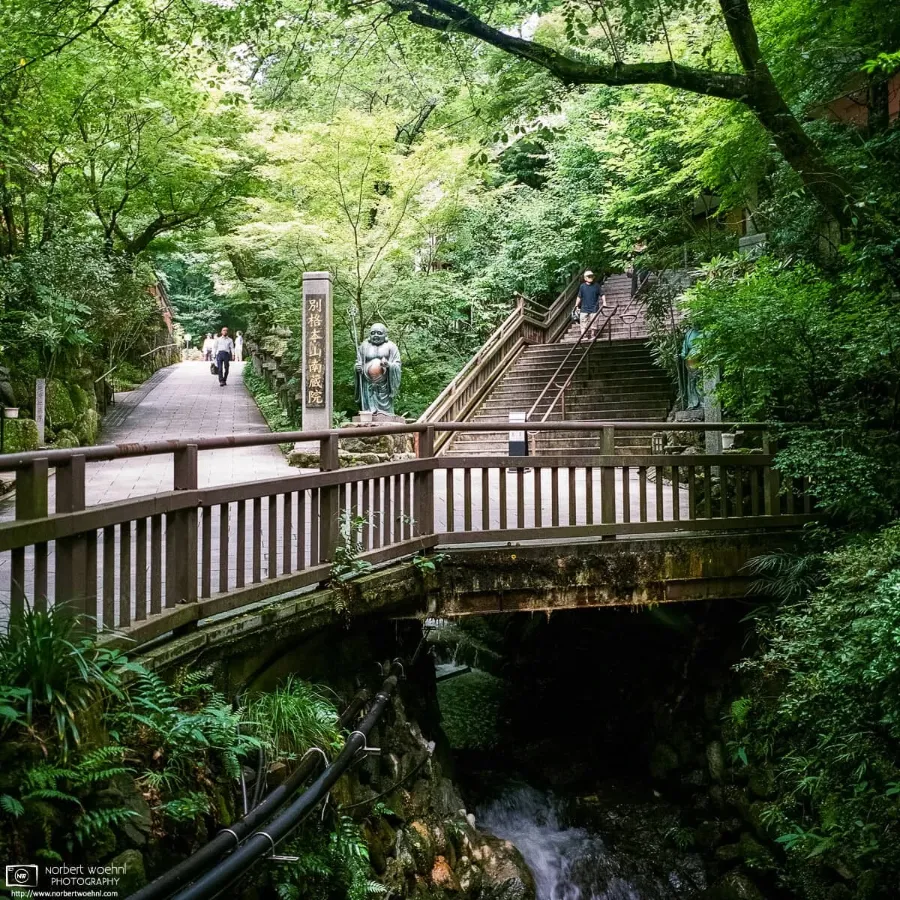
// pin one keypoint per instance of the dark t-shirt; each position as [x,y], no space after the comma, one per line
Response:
[589,294]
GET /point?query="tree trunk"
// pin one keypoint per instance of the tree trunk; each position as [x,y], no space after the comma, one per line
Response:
[800,151]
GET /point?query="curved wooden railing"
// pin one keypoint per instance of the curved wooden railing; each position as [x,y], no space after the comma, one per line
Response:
[159,563]
[526,324]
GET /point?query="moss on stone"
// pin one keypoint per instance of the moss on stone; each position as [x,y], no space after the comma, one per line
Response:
[82,400]
[60,409]
[20,435]
[87,427]
[65,440]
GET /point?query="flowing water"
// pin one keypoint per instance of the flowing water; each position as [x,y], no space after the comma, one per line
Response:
[570,863]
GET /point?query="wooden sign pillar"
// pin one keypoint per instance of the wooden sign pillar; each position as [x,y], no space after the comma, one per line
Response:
[318,354]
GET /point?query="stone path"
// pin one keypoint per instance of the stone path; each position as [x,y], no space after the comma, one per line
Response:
[182,401]
[187,403]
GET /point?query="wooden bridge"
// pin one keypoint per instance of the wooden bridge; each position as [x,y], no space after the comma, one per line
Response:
[158,564]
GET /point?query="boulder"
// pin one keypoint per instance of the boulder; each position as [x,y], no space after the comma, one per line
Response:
[443,876]
[82,400]
[733,886]
[715,759]
[663,760]
[304,459]
[20,435]
[133,876]
[65,440]
[87,427]
[60,409]
[506,876]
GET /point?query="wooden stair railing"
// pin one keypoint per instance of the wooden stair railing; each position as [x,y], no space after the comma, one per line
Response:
[523,326]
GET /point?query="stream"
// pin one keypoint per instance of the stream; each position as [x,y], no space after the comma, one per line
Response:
[569,862]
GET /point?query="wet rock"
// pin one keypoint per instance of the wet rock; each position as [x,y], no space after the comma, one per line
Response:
[418,836]
[715,761]
[734,886]
[506,877]
[729,853]
[754,854]
[123,793]
[470,876]
[133,877]
[442,875]
[277,774]
[403,854]
[761,782]
[663,761]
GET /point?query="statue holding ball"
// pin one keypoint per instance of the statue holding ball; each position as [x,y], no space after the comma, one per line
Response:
[378,372]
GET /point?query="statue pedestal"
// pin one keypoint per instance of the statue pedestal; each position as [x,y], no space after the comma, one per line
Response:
[365,450]
[379,418]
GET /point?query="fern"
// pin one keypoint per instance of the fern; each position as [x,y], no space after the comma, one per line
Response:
[784,576]
[11,806]
[93,822]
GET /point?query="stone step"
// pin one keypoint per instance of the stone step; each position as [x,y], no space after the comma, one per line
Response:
[577,390]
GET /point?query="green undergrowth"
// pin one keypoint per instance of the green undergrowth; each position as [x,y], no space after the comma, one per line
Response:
[819,724]
[99,754]
[470,707]
[277,418]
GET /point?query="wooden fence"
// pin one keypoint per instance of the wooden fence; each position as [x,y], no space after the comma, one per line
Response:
[159,563]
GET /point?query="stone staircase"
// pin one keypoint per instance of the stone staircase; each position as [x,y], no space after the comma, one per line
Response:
[620,382]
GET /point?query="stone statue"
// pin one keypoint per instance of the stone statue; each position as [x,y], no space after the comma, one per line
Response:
[689,372]
[7,395]
[378,371]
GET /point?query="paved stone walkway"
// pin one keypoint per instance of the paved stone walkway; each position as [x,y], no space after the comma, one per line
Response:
[183,401]
[187,403]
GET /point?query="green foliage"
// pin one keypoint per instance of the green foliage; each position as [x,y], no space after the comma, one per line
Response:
[178,728]
[50,675]
[822,713]
[334,864]
[277,418]
[291,719]
[52,800]
[470,708]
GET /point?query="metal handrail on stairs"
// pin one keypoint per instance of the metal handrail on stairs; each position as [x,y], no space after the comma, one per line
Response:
[561,393]
[562,365]
[522,326]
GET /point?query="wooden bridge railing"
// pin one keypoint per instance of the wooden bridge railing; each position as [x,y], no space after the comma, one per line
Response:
[160,563]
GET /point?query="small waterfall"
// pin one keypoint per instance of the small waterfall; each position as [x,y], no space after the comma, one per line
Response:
[570,863]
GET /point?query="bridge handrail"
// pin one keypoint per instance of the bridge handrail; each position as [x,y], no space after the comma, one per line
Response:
[148,565]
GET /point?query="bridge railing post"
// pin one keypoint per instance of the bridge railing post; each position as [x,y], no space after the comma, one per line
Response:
[71,553]
[771,478]
[608,477]
[329,501]
[181,534]
[423,484]
[31,503]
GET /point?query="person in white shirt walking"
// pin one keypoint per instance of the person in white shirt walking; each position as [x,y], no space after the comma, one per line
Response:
[239,348]
[224,355]
[208,346]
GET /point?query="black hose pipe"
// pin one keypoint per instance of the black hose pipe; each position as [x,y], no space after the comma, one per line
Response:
[227,839]
[264,842]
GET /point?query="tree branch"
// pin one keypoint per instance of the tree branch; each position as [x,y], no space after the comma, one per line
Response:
[449,17]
